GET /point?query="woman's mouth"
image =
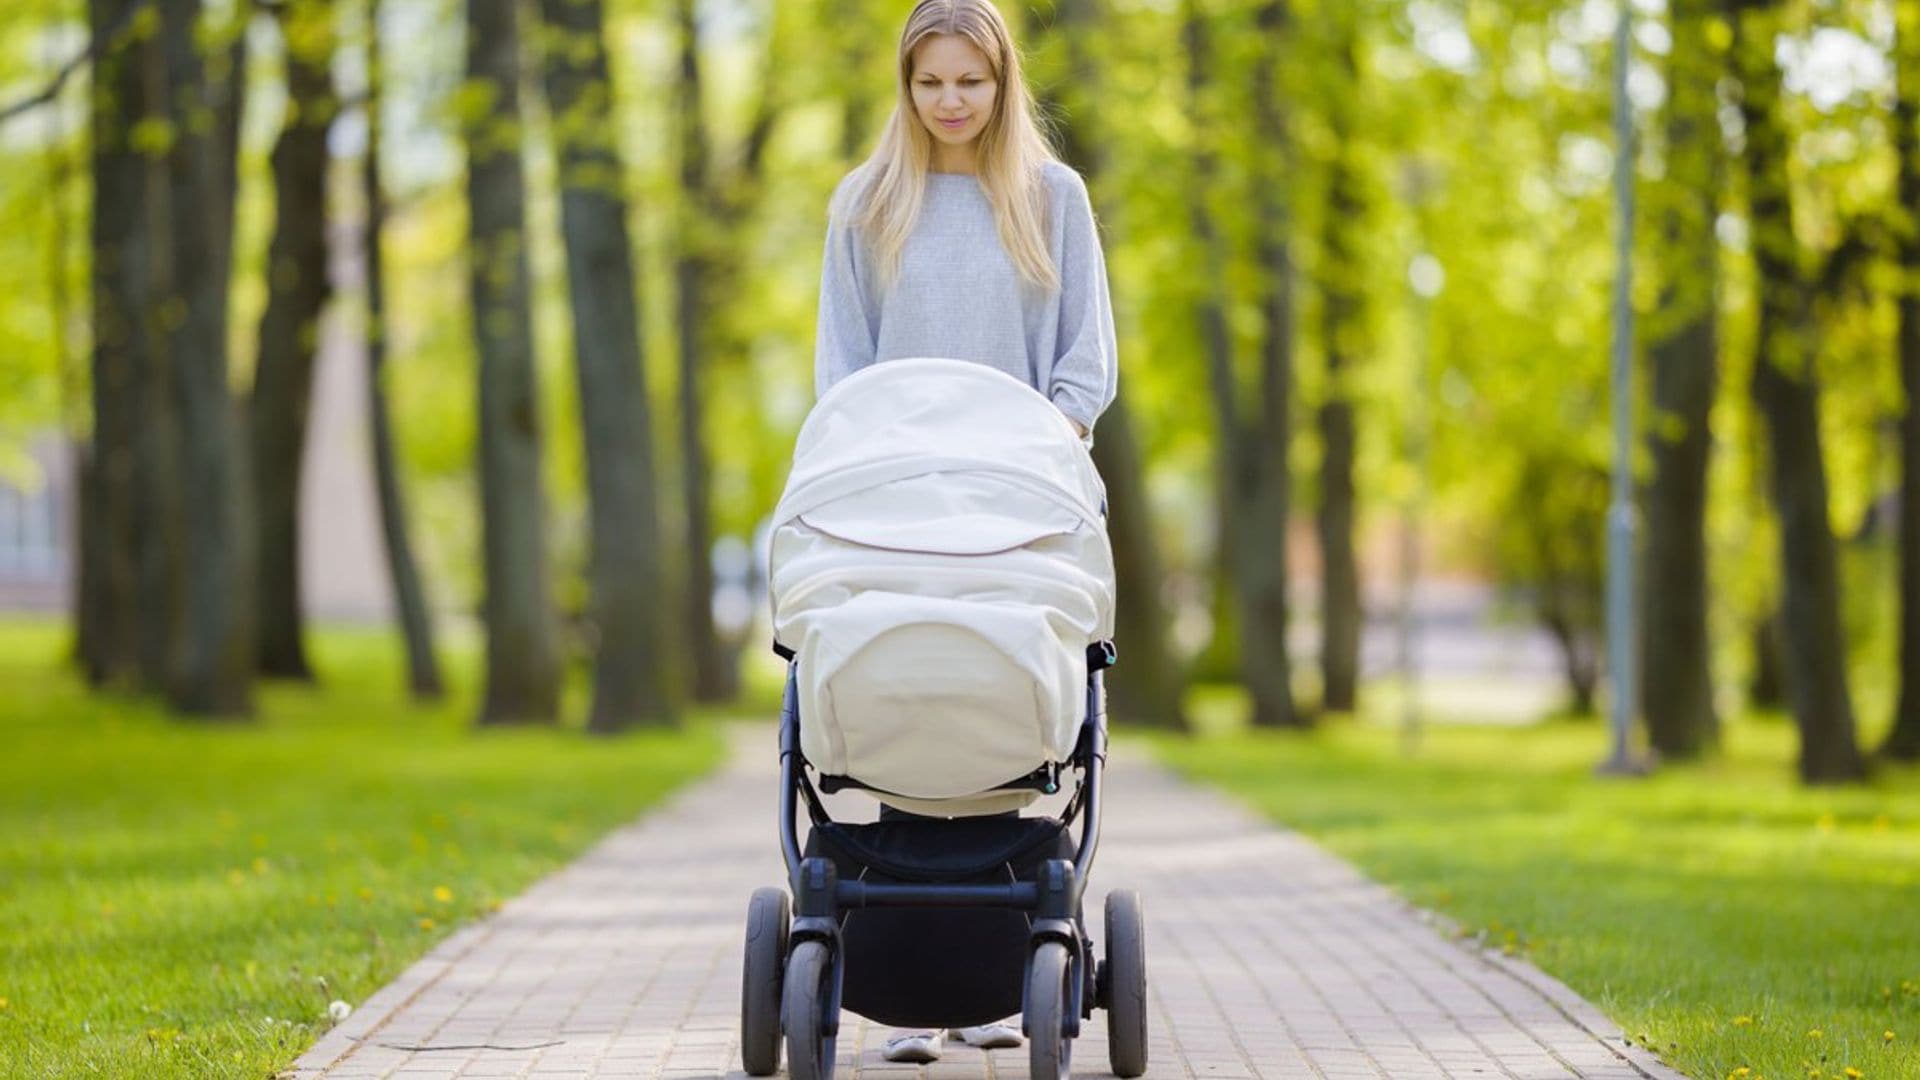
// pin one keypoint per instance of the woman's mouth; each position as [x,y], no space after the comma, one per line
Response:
[954,125]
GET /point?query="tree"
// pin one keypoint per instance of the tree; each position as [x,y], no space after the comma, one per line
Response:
[1147,686]
[1903,742]
[1251,458]
[416,624]
[213,662]
[523,669]
[116,617]
[716,202]
[1786,393]
[634,661]
[298,290]
[1677,687]
[1342,325]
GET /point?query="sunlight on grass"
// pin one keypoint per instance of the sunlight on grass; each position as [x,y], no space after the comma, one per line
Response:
[182,900]
[1719,912]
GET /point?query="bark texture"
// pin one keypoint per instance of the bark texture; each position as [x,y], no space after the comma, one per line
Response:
[634,658]
[298,289]
[1786,392]
[1903,741]
[523,671]
[213,659]
[1341,328]
[1677,686]
[409,595]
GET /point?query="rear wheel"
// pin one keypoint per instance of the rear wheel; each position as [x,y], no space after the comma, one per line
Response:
[766,959]
[1049,993]
[1126,971]
[808,986]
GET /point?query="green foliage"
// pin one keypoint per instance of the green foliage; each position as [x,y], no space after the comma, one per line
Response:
[1721,916]
[186,901]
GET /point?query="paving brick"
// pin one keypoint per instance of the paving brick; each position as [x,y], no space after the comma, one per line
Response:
[1269,959]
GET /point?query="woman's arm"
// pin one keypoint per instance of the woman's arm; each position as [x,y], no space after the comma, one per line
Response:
[1086,368]
[847,334]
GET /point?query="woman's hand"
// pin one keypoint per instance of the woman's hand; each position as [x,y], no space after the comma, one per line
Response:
[1078,428]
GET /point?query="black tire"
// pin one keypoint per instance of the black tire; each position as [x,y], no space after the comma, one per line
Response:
[1126,984]
[767,919]
[808,985]
[1049,994]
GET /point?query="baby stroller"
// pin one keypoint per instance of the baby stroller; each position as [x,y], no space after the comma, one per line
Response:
[943,593]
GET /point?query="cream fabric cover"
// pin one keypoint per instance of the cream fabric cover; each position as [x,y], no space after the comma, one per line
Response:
[940,565]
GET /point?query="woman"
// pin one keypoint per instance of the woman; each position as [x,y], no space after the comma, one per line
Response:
[964,237]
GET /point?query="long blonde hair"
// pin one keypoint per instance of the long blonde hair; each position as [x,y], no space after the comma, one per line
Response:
[1010,157]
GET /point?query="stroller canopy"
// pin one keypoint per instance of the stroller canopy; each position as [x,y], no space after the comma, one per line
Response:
[939,565]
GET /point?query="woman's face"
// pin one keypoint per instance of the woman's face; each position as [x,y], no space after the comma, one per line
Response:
[953,88]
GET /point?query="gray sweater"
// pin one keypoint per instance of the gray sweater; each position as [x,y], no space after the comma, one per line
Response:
[959,296]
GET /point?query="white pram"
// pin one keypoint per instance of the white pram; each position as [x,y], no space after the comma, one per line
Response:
[940,566]
[943,588]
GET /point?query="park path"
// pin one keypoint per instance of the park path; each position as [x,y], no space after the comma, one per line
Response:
[1267,958]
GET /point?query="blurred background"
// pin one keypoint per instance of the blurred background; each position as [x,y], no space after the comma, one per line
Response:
[492,323]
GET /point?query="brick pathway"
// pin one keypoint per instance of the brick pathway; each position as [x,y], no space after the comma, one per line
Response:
[1267,958]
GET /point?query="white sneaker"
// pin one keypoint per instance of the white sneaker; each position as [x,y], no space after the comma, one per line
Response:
[999,1035]
[913,1047]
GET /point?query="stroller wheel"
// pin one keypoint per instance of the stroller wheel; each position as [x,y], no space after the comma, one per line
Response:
[809,986]
[1049,993]
[767,917]
[1126,984]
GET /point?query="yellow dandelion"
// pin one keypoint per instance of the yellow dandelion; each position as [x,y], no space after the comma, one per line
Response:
[5,1004]
[365,893]
[1886,1036]
[236,877]
[1816,1033]
[259,866]
[426,923]
[1743,1021]
[1853,1073]
[1740,1073]
[443,894]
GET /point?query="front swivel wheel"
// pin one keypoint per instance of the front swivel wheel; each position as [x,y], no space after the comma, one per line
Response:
[809,990]
[1049,995]
[766,960]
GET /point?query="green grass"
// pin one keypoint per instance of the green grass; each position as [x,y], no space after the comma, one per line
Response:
[1722,914]
[182,900]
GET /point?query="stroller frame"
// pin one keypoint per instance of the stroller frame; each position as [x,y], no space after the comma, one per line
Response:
[805,956]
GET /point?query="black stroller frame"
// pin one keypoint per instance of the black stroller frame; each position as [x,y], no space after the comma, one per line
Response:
[803,959]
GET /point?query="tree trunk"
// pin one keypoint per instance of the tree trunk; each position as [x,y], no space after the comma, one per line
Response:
[1677,686]
[714,676]
[416,623]
[1785,391]
[110,613]
[298,290]
[1341,327]
[523,671]
[1264,660]
[634,660]
[1147,687]
[1903,742]
[213,662]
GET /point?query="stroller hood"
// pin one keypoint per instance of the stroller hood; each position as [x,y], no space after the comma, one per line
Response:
[939,564]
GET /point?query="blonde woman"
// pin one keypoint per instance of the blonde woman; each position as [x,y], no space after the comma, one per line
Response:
[963,237]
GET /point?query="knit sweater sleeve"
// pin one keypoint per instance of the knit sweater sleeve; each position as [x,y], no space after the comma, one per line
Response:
[848,331]
[1086,369]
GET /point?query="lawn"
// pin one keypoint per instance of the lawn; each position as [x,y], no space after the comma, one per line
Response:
[1740,925]
[187,900]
